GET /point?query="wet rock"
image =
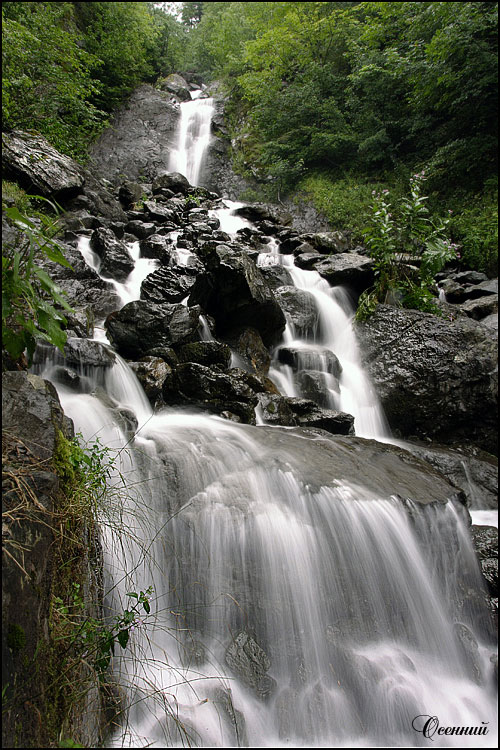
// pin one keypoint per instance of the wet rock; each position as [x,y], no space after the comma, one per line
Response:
[264,212]
[171,181]
[151,373]
[251,663]
[116,261]
[168,284]
[347,269]
[140,140]
[314,385]
[236,294]
[176,84]
[248,344]
[197,385]
[208,353]
[309,414]
[308,260]
[157,247]
[276,276]
[300,306]
[275,409]
[142,326]
[160,214]
[130,193]
[468,644]
[85,353]
[480,308]
[223,700]
[140,229]
[32,412]
[35,164]
[473,470]
[314,358]
[327,242]
[435,377]
[485,541]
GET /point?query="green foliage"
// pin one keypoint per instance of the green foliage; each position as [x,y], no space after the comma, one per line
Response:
[474,225]
[47,81]
[92,639]
[408,247]
[30,299]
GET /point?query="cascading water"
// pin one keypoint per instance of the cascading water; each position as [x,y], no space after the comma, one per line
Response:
[192,138]
[290,609]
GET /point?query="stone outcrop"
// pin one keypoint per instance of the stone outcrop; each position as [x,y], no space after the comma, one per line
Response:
[36,669]
[436,378]
[39,167]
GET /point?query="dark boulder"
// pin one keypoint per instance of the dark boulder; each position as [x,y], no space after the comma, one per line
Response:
[327,242]
[235,293]
[151,373]
[265,212]
[247,342]
[157,247]
[141,326]
[171,181]
[275,409]
[160,214]
[485,541]
[140,229]
[168,284]
[308,414]
[347,269]
[300,307]
[196,385]
[276,275]
[39,167]
[310,358]
[435,377]
[208,353]
[116,261]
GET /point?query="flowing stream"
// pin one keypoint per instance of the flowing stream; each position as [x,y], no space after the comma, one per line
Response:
[290,609]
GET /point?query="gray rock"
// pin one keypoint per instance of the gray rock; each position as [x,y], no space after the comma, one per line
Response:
[142,326]
[485,540]
[168,284]
[210,389]
[435,377]
[171,181]
[235,293]
[208,353]
[177,85]
[309,414]
[314,358]
[116,261]
[349,269]
[31,160]
[251,663]
[151,373]
[139,142]
[300,306]
[275,409]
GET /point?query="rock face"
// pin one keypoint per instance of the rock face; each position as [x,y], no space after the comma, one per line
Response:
[33,576]
[436,378]
[38,166]
[175,84]
[138,143]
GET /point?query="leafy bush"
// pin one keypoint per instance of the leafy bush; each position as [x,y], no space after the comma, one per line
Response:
[29,295]
[475,226]
[408,247]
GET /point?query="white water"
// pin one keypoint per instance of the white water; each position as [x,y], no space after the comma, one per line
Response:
[354,597]
[192,138]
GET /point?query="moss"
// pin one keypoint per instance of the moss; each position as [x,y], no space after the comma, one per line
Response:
[61,461]
[16,638]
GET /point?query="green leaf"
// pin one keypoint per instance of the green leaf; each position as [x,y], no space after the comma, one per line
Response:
[123,637]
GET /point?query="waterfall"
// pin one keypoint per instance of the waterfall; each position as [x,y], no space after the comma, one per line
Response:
[192,138]
[292,607]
